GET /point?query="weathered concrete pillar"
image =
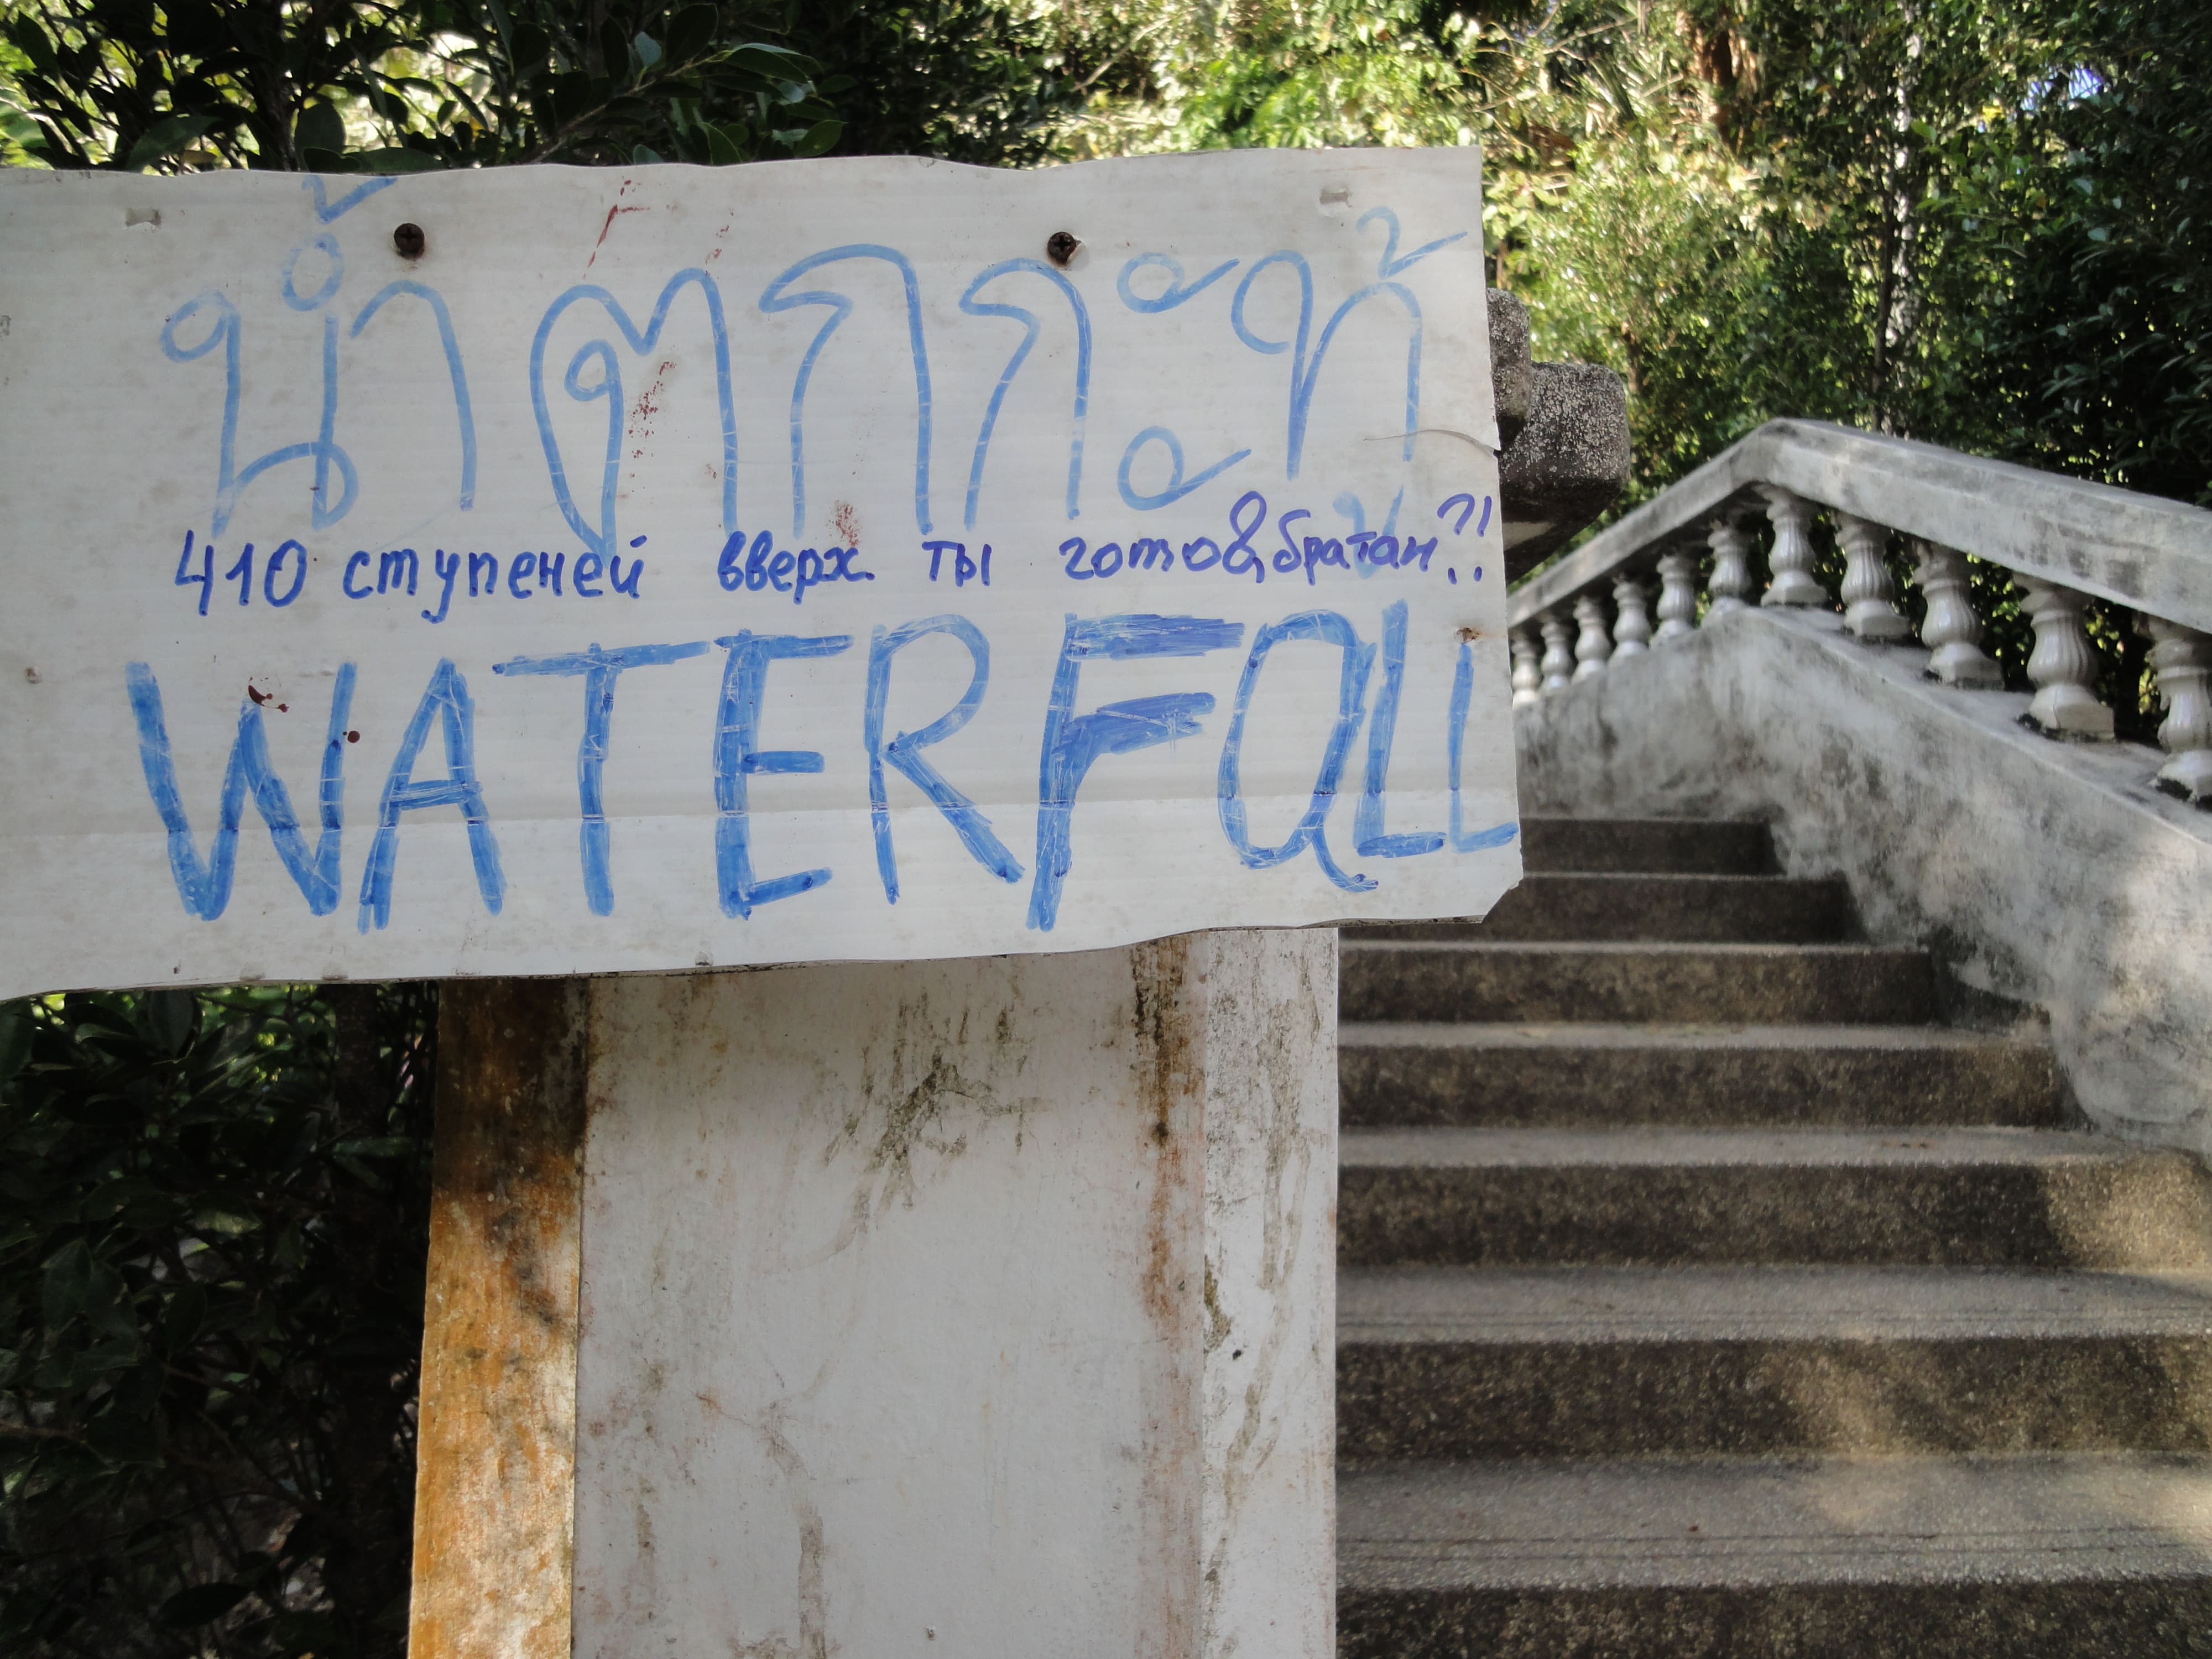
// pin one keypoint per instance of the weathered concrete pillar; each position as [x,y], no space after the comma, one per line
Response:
[977,1306]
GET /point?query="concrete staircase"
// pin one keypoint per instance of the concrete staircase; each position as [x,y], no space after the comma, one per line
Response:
[1708,1283]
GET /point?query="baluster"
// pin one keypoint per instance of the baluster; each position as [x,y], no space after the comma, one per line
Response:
[1678,597]
[1592,647]
[1731,582]
[1631,623]
[1870,596]
[2062,667]
[1559,664]
[1791,560]
[1950,630]
[1528,676]
[2183,658]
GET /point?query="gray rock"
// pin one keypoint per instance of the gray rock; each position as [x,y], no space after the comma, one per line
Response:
[1567,464]
[1510,370]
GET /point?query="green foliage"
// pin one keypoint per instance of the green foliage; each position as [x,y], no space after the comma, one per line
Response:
[404,85]
[976,81]
[213,1212]
[2098,355]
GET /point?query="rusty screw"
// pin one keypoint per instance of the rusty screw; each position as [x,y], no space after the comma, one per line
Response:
[1060,248]
[408,238]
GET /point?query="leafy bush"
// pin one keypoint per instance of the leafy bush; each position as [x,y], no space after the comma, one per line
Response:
[213,1210]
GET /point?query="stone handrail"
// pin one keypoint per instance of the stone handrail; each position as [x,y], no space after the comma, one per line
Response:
[2059,538]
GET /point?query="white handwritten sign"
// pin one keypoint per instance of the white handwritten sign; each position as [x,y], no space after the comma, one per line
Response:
[557,571]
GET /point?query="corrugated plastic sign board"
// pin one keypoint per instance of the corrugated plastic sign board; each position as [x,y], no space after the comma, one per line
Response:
[572,571]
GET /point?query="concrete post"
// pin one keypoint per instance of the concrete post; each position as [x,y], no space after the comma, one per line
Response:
[978,1306]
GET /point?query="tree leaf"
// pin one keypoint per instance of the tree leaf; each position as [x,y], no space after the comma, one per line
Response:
[691,32]
[320,127]
[121,1438]
[181,1319]
[15,1029]
[224,1215]
[723,148]
[166,138]
[168,1016]
[69,1276]
[818,137]
[202,1604]
[395,160]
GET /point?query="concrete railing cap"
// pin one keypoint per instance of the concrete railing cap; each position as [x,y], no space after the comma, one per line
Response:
[2141,552]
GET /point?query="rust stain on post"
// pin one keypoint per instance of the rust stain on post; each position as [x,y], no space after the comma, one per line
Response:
[1170,1094]
[495,1464]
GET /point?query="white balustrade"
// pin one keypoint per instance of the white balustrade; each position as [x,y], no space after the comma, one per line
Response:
[1950,630]
[1870,596]
[2062,666]
[1631,623]
[1678,597]
[2183,659]
[1592,645]
[1731,581]
[1791,559]
[1559,664]
[2038,530]
[1527,674]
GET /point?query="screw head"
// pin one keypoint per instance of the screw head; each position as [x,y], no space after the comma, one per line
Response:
[409,240]
[1060,248]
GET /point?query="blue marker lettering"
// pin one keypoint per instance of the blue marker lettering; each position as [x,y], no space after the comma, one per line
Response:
[452,346]
[205,888]
[974,307]
[1177,485]
[904,751]
[738,756]
[1074,742]
[775,298]
[1368,839]
[399,562]
[205,579]
[448,567]
[447,698]
[1462,694]
[601,538]
[600,669]
[298,555]
[1246,524]
[1329,628]
[1287,557]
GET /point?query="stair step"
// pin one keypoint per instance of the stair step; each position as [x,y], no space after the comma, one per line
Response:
[1680,846]
[1692,908]
[1980,1197]
[1573,1073]
[1734,984]
[1893,1559]
[1610,1362]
